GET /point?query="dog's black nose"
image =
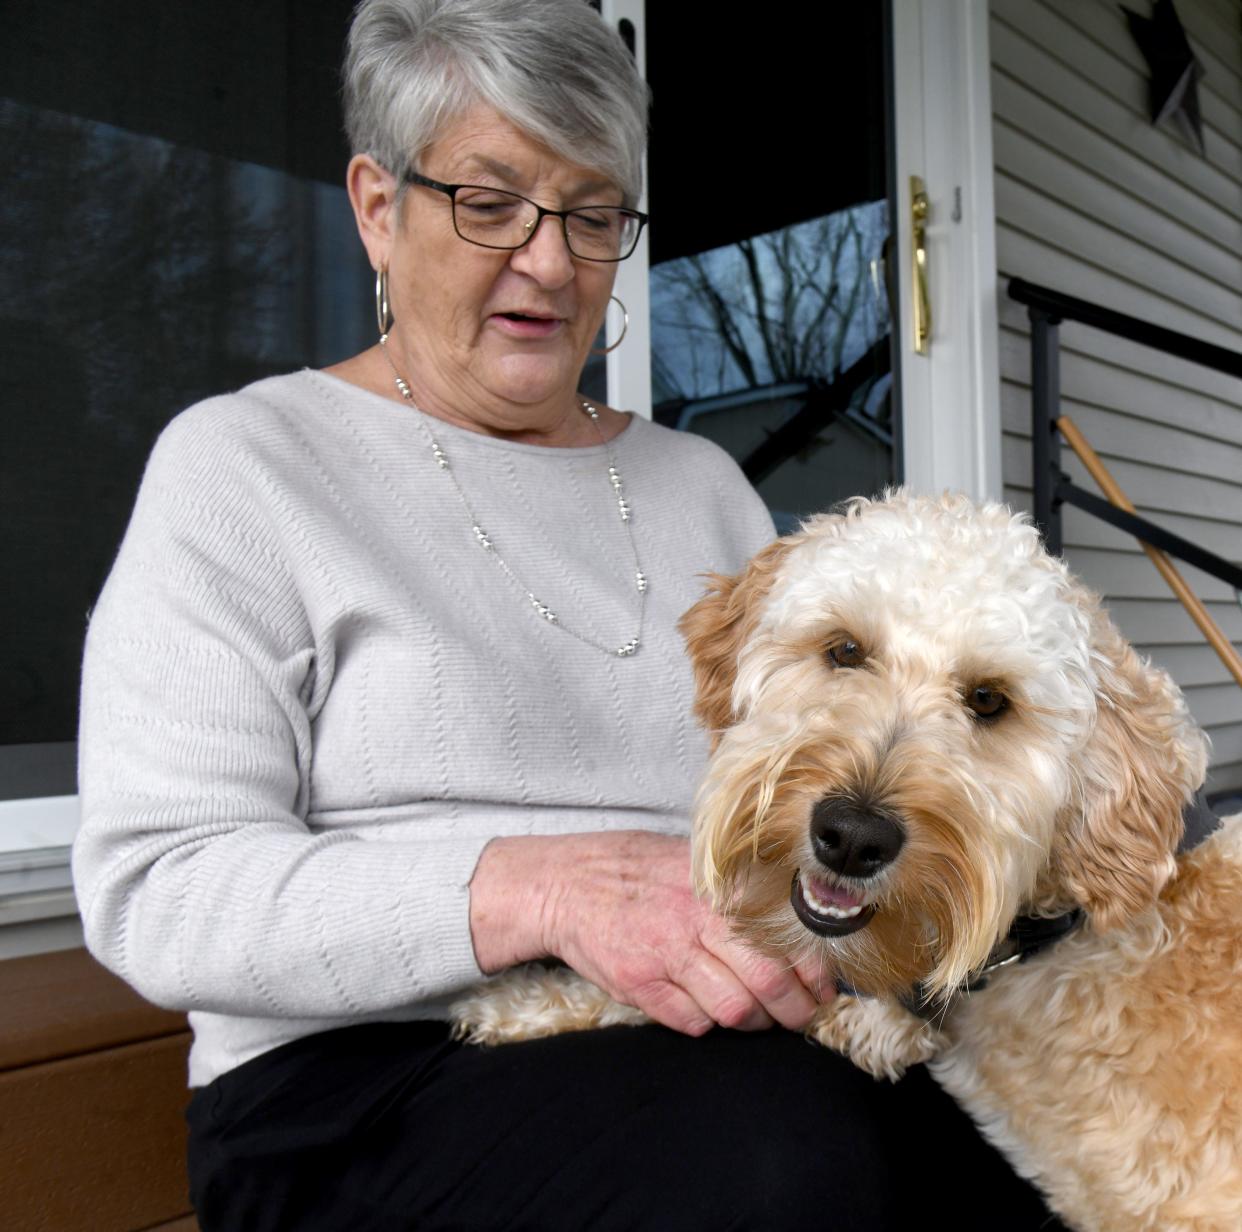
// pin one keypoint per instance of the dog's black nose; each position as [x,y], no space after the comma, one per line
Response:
[853,840]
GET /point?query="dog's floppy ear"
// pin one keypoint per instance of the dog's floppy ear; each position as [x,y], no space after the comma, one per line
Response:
[717,627]
[1143,761]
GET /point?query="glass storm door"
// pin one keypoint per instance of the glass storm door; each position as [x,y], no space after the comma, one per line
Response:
[776,291]
[769,187]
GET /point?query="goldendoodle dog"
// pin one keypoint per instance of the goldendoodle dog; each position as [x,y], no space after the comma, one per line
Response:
[938,764]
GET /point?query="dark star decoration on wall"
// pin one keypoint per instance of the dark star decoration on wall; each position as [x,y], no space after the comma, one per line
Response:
[1175,72]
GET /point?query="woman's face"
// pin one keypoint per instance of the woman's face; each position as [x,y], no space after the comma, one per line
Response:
[495,339]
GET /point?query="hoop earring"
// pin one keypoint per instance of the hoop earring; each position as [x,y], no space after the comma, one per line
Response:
[383,317]
[625,325]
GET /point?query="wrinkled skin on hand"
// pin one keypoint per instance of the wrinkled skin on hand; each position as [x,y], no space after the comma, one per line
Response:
[619,909]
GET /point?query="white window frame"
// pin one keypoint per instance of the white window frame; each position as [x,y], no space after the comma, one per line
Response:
[38,910]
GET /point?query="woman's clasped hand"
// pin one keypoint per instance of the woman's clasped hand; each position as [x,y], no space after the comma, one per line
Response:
[619,909]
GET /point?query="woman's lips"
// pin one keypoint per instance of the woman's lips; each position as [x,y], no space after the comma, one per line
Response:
[521,325]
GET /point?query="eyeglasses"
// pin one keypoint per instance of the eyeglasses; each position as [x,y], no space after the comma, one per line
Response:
[493,218]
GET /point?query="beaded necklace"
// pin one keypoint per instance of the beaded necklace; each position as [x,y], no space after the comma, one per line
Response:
[484,540]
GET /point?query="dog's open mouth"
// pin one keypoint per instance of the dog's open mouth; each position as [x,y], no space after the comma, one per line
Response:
[828,910]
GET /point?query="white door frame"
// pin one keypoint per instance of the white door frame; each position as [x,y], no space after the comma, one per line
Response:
[951,432]
[629,367]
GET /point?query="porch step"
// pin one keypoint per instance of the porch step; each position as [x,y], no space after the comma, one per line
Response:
[92,1099]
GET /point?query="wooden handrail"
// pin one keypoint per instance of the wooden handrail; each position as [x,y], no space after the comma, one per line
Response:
[1190,601]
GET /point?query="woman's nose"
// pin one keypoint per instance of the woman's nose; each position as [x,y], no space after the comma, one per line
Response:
[546,256]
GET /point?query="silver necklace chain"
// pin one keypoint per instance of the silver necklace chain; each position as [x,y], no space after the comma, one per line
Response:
[484,540]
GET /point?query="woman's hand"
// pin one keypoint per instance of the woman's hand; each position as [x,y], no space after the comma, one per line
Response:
[618,908]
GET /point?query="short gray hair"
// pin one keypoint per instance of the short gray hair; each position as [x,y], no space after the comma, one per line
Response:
[552,68]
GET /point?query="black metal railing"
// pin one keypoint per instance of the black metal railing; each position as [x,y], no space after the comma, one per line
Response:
[1052,487]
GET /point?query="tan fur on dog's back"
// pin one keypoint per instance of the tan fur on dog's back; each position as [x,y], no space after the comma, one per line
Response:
[1111,1072]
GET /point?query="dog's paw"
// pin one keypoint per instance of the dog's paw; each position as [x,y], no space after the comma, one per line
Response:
[530,1002]
[879,1036]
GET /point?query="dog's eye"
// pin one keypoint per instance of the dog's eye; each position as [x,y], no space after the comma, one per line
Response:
[847,653]
[985,701]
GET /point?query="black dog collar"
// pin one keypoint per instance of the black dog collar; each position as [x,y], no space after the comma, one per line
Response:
[1029,934]
[1198,822]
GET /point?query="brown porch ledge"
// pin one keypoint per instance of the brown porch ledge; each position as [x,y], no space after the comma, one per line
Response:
[92,1099]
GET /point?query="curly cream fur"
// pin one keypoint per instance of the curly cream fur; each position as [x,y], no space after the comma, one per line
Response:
[1110,1071]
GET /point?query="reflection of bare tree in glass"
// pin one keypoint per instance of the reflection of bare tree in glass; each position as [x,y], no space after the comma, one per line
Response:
[786,306]
[139,279]
[142,261]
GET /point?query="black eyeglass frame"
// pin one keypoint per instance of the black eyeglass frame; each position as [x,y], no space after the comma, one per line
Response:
[451,190]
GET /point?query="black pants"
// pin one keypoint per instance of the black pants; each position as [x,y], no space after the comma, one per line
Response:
[389,1127]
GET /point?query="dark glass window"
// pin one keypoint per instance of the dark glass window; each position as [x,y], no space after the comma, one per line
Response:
[173,225]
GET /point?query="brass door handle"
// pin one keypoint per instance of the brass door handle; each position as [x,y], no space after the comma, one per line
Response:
[919,210]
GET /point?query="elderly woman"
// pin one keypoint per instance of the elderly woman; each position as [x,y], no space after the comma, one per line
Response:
[385,694]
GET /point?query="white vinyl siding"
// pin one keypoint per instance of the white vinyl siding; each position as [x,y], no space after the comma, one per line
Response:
[1092,200]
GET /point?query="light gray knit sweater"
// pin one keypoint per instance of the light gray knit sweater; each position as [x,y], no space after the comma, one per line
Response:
[310,698]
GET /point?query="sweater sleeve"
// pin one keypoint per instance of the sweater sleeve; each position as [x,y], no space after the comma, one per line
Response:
[737,512]
[751,522]
[198,879]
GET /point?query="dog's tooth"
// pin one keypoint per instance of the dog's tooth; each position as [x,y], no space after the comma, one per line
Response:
[847,913]
[829,909]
